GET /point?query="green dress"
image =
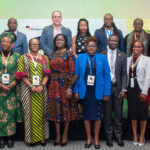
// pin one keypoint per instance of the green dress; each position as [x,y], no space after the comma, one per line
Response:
[10,111]
[34,105]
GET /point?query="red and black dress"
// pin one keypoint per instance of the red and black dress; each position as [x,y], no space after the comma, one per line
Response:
[60,108]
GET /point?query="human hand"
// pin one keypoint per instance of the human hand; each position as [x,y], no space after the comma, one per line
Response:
[143,97]
[69,93]
[106,98]
[76,96]
[33,89]
[122,95]
[39,89]
[5,88]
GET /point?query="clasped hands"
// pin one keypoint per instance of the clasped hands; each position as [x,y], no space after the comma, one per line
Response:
[37,90]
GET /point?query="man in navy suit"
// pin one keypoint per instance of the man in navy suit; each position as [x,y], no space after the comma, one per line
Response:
[49,32]
[102,34]
[20,46]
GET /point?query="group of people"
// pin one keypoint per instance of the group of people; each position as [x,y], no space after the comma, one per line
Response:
[37,88]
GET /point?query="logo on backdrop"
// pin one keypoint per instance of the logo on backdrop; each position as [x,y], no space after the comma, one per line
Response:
[35,28]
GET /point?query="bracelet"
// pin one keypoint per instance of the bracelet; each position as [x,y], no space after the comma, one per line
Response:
[69,89]
[31,86]
[14,83]
[43,85]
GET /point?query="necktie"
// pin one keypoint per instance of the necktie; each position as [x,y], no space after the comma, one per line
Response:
[113,67]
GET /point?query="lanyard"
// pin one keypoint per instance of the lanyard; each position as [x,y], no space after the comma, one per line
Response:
[35,63]
[109,33]
[135,36]
[133,65]
[5,60]
[90,61]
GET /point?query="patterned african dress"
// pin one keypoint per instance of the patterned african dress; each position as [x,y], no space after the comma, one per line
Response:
[60,108]
[10,111]
[34,105]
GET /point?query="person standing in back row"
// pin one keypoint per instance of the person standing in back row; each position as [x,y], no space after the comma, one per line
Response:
[102,34]
[49,33]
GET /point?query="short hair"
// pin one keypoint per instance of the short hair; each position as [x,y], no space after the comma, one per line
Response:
[138,19]
[132,44]
[108,14]
[11,19]
[66,41]
[114,35]
[90,39]
[33,39]
[56,11]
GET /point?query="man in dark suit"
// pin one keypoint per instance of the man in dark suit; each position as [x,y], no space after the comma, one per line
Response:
[102,34]
[49,32]
[20,45]
[118,67]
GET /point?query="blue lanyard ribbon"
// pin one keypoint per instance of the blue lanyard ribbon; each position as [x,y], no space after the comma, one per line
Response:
[90,61]
[109,33]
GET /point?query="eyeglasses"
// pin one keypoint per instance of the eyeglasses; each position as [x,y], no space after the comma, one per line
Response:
[34,44]
[91,46]
[137,46]
[138,24]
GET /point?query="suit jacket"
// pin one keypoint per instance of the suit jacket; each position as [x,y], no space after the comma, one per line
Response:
[142,73]
[20,45]
[102,79]
[47,38]
[120,70]
[101,37]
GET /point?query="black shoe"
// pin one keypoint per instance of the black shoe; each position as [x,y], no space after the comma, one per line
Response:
[10,143]
[97,146]
[2,144]
[88,145]
[109,143]
[42,143]
[120,142]
[31,144]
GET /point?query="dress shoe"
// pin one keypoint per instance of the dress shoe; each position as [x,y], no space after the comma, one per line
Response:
[135,143]
[10,143]
[120,142]
[88,145]
[42,143]
[109,143]
[141,144]
[64,144]
[31,144]
[56,143]
[2,144]
[97,146]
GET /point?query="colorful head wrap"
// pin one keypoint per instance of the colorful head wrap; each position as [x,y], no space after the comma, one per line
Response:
[10,35]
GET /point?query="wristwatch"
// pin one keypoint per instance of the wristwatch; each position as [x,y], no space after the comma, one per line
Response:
[31,86]
[43,85]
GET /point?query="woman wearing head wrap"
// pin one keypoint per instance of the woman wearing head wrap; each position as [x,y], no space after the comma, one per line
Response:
[9,100]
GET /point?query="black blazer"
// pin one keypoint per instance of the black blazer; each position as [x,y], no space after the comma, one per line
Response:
[120,70]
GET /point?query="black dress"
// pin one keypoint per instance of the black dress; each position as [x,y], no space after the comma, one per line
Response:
[137,110]
[92,108]
[80,44]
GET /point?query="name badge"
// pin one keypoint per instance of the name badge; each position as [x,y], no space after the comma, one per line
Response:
[132,83]
[5,78]
[35,80]
[90,80]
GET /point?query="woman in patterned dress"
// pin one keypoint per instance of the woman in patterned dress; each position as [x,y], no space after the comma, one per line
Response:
[78,41]
[61,108]
[9,101]
[33,71]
